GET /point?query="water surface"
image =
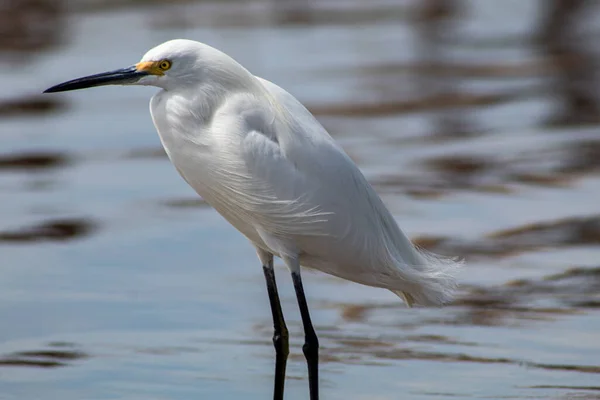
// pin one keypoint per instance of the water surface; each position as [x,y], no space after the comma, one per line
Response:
[118,283]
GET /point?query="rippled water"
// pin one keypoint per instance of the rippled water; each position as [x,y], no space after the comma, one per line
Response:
[117,282]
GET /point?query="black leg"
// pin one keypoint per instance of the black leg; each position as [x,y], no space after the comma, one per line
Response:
[311,343]
[280,335]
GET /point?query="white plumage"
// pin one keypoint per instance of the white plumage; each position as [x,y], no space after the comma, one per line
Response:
[253,152]
[260,158]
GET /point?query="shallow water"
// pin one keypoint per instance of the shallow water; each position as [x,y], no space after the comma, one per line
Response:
[117,282]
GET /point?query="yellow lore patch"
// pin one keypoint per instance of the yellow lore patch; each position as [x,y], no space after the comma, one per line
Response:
[151,67]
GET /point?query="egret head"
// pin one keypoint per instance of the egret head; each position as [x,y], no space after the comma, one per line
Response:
[173,64]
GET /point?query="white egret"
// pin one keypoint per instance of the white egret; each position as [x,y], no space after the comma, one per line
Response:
[256,155]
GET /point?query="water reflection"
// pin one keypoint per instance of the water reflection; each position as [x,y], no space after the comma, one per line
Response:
[566,232]
[436,21]
[28,105]
[51,230]
[576,82]
[28,26]
[56,355]
[527,165]
[33,161]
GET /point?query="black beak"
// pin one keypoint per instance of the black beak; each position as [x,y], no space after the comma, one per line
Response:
[122,76]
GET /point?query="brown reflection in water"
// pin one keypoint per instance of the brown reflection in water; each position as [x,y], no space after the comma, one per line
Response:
[279,12]
[354,312]
[437,20]
[408,354]
[543,235]
[564,387]
[522,300]
[292,11]
[60,356]
[196,202]
[447,173]
[33,161]
[307,12]
[338,348]
[30,25]
[576,81]
[52,230]
[511,304]
[456,68]
[581,157]
[32,105]
[570,62]
[438,101]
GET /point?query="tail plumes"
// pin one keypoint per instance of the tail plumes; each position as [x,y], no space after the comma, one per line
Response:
[431,282]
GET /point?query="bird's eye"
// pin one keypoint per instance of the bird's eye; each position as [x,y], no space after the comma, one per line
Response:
[164,65]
